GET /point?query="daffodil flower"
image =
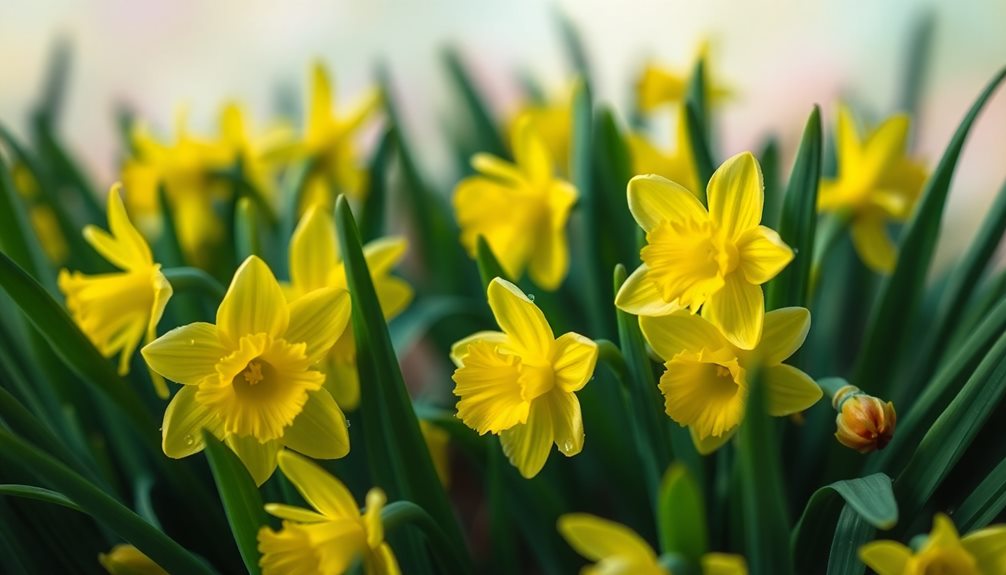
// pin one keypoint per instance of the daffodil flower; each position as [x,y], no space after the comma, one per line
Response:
[705,382]
[331,536]
[128,560]
[877,183]
[659,85]
[982,552]
[251,379]
[521,383]
[677,165]
[713,259]
[618,550]
[117,310]
[521,209]
[553,122]
[329,142]
[315,263]
[259,155]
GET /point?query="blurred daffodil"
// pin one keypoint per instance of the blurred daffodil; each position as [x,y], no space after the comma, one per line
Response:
[521,382]
[315,263]
[659,85]
[521,209]
[619,550]
[329,538]
[42,216]
[257,155]
[128,560]
[251,379]
[713,259]
[877,183]
[329,142]
[705,382]
[678,165]
[982,552]
[553,121]
[117,310]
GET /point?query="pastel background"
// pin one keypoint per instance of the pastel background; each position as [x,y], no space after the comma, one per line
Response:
[779,56]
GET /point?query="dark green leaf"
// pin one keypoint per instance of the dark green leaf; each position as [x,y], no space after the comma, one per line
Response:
[984,503]
[700,148]
[575,51]
[38,494]
[241,499]
[246,232]
[681,515]
[851,533]
[489,266]
[488,139]
[374,205]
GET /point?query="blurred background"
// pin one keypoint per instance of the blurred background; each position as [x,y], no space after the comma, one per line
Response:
[779,58]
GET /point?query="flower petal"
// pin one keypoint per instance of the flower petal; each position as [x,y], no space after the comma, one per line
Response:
[527,445]
[639,296]
[319,112]
[875,248]
[184,421]
[736,194]
[259,458]
[723,564]
[342,381]
[520,319]
[496,167]
[738,309]
[654,199]
[669,335]
[320,430]
[598,539]
[885,557]
[292,513]
[491,396]
[393,295]
[885,147]
[318,319]
[320,489]
[550,260]
[762,254]
[383,254]
[784,332]
[575,359]
[186,354]
[988,547]
[530,152]
[712,442]
[254,303]
[460,347]
[789,390]
[372,516]
[567,421]
[313,251]
[124,246]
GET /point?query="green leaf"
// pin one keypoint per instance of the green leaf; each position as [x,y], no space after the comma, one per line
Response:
[851,533]
[374,205]
[901,291]
[612,163]
[39,494]
[769,160]
[246,229]
[489,266]
[16,236]
[241,499]
[700,148]
[574,47]
[401,513]
[152,542]
[422,316]
[984,503]
[871,497]
[764,508]
[681,515]
[799,220]
[488,139]
[916,68]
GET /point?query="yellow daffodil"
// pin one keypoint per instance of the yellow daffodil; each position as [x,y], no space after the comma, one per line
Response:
[437,441]
[705,383]
[877,183]
[982,552]
[619,550]
[715,259]
[520,383]
[128,560]
[315,263]
[258,155]
[42,217]
[117,310]
[329,142]
[553,121]
[659,85]
[521,209]
[677,165]
[251,379]
[331,537]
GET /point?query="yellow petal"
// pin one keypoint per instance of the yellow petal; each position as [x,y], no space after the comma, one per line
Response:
[186,354]
[184,421]
[738,310]
[520,319]
[527,445]
[318,319]
[575,359]
[639,296]
[162,293]
[491,396]
[372,517]
[723,564]
[762,254]
[393,295]
[132,248]
[384,562]
[460,347]
[319,112]
[320,430]
[343,381]
[885,557]
[848,143]
[370,103]
[885,147]
[789,390]
[875,248]
[655,199]
[501,214]
[258,458]
[496,167]
[736,193]
[530,152]
[708,445]
[669,335]
[292,513]
[784,332]
[550,260]
[313,251]
[943,534]
[254,303]
[320,489]
[385,253]
[988,547]
[567,421]
[598,539]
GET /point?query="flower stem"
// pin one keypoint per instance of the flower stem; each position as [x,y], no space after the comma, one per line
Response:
[189,278]
[401,513]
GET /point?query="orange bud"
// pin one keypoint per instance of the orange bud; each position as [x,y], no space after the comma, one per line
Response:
[865,423]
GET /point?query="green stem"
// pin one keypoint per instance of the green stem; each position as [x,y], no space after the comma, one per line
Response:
[609,353]
[827,237]
[189,278]
[399,513]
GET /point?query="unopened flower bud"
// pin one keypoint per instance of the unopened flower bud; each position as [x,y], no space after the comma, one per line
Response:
[865,423]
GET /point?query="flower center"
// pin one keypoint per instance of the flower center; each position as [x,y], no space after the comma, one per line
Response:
[253,373]
[704,390]
[256,382]
[687,261]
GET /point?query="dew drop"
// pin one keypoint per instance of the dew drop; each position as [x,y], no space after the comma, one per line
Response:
[348,424]
[192,342]
[530,296]
[567,446]
[188,440]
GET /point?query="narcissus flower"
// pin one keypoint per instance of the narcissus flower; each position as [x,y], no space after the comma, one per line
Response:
[619,550]
[713,259]
[116,310]
[315,263]
[864,423]
[982,552]
[520,383]
[678,165]
[258,155]
[659,85]
[877,183]
[553,122]
[251,379]
[329,141]
[521,209]
[329,538]
[128,560]
[705,382]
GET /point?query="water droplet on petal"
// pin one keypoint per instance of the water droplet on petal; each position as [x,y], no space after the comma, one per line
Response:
[192,342]
[188,440]
[348,423]
[530,296]
[567,446]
